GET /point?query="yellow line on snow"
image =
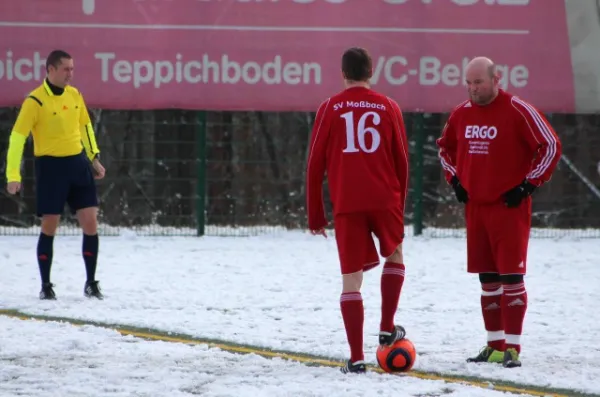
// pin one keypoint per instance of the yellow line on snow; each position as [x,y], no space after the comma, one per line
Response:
[286,356]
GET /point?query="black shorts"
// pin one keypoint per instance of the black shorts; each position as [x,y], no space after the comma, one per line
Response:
[64,180]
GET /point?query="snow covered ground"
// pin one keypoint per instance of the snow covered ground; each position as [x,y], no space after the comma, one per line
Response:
[61,360]
[281,291]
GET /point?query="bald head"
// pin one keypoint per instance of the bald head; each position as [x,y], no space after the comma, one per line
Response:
[482,64]
[482,80]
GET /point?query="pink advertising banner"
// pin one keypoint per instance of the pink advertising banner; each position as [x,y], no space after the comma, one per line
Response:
[283,55]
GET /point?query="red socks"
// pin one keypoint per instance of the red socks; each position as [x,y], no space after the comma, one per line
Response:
[503,307]
[392,279]
[491,309]
[514,306]
[353,313]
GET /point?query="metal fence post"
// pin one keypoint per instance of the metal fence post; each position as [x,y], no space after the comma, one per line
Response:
[201,174]
[419,132]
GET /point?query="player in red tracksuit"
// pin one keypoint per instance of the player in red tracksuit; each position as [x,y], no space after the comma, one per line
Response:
[496,149]
[359,139]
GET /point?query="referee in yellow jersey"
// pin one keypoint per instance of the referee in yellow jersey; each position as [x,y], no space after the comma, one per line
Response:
[66,164]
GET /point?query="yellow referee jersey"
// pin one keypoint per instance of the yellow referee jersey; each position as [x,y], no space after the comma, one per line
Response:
[60,125]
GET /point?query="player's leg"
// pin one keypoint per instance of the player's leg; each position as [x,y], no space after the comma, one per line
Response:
[514,307]
[87,218]
[511,239]
[480,260]
[353,315]
[491,311]
[45,253]
[388,226]
[357,253]
[83,201]
[51,194]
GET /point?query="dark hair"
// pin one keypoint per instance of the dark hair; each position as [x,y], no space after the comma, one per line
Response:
[357,64]
[55,58]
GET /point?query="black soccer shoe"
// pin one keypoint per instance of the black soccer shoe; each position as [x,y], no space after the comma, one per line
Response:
[389,338]
[92,290]
[487,355]
[358,367]
[47,292]
[511,358]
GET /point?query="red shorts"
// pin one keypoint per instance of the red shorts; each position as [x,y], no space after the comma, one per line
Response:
[354,237]
[497,237]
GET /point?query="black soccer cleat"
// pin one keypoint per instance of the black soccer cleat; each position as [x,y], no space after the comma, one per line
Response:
[389,338]
[92,290]
[47,292]
[487,355]
[358,367]
[511,358]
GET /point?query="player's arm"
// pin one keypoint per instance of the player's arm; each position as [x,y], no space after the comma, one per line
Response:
[447,143]
[400,143]
[88,137]
[315,169]
[542,138]
[26,121]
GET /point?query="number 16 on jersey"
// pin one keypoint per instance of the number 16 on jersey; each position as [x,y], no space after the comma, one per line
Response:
[359,133]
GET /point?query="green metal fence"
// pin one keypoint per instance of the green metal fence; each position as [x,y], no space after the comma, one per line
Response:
[173,172]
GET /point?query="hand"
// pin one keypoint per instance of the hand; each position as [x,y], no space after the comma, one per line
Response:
[461,194]
[98,169]
[514,196]
[320,231]
[13,187]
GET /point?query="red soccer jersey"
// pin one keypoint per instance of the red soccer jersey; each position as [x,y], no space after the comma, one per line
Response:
[359,139]
[493,148]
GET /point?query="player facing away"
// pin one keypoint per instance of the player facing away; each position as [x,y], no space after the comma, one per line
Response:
[359,140]
[496,149]
[66,163]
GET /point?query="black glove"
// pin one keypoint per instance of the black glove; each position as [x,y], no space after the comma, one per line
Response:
[461,194]
[514,196]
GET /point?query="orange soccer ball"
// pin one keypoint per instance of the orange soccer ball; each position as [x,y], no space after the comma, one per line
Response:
[399,357]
